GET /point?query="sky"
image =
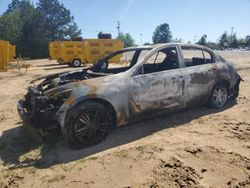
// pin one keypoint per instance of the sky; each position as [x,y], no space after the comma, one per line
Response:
[188,19]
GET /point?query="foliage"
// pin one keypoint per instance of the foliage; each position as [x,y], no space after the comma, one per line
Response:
[233,41]
[212,45]
[242,42]
[224,40]
[30,28]
[162,34]
[248,40]
[146,44]
[57,20]
[127,39]
[203,40]
[177,40]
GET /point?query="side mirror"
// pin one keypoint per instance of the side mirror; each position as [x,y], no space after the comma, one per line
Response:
[104,65]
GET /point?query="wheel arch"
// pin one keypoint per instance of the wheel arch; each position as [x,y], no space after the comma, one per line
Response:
[76,58]
[225,81]
[102,101]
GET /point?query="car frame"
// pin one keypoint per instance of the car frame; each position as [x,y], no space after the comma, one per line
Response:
[91,106]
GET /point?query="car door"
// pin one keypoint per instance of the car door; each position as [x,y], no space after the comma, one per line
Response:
[156,89]
[199,74]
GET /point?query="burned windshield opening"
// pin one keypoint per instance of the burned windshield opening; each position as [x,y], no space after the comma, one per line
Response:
[120,61]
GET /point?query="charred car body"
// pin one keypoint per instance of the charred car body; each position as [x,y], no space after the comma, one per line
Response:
[149,80]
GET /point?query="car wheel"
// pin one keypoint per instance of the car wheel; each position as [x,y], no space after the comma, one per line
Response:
[219,96]
[88,124]
[76,63]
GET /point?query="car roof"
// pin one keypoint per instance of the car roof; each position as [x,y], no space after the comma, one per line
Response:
[149,47]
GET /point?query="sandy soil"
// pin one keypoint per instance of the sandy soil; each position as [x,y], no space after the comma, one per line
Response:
[199,147]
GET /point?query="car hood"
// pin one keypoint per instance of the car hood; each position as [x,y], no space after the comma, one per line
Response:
[92,84]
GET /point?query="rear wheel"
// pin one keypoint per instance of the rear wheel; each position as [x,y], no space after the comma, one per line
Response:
[76,63]
[87,124]
[219,96]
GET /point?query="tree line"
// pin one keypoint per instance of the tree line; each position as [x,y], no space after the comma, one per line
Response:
[31,28]
[163,34]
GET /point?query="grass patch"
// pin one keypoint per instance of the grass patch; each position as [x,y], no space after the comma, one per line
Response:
[83,160]
[57,178]
[121,154]
[6,173]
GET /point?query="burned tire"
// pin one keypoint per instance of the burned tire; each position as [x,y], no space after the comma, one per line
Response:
[87,124]
[76,63]
[219,96]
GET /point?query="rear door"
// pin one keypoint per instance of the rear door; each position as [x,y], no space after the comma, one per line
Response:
[199,74]
[158,84]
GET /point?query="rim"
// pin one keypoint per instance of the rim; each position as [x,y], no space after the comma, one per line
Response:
[91,126]
[220,96]
[77,63]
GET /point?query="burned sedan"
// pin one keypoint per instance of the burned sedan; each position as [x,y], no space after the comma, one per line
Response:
[146,81]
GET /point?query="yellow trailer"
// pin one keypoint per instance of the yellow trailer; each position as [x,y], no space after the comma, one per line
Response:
[86,51]
[4,54]
[54,50]
[12,52]
[7,54]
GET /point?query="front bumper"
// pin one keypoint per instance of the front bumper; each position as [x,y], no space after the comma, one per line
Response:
[24,115]
[44,119]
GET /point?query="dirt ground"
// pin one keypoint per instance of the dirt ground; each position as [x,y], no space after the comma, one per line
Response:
[199,147]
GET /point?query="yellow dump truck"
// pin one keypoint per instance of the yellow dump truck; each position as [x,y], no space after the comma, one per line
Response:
[86,51]
[7,54]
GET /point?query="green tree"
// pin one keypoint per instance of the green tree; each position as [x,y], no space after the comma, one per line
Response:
[212,45]
[248,40]
[127,39]
[14,22]
[162,34]
[224,40]
[242,42]
[177,40]
[146,44]
[31,28]
[58,20]
[233,41]
[15,4]
[203,40]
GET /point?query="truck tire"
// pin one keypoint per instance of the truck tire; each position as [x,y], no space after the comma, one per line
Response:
[87,124]
[76,63]
[219,96]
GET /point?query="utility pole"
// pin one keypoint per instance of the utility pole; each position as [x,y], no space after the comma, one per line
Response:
[118,28]
[141,39]
[231,37]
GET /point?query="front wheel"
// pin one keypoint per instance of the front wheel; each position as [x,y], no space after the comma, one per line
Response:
[218,96]
[87,124]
